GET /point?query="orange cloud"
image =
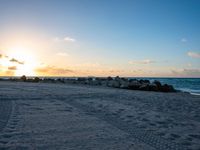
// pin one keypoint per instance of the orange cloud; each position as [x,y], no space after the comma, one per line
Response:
[54,71]
[12,68]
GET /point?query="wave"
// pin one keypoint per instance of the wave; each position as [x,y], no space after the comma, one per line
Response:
[191,91]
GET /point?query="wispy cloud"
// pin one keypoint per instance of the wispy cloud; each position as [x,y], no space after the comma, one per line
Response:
[16,61]
[51,70]
[69,39]
[143,62]
[63,54]
[65,39]
[184,40]
[12,68]
[193,72]
[193,54]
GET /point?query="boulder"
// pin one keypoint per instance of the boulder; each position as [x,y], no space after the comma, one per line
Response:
[158,84]
[167,88]
[23,78]
[109,78]
[114,84]
[153,87]
[36,79]
[144,81]
[81,79]
[117,78]
[144,87]
[134,85]
[124,84]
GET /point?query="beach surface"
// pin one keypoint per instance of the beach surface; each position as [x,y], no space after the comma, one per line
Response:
[77,117]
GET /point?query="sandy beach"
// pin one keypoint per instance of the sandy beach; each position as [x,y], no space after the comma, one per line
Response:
[78,117]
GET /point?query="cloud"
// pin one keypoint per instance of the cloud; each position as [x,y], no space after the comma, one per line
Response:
[69,39]
[143,62]
[65,39]
[193,54]
[51,70]
[63,54]
[186,72]
[12,68]
[184,40]
[16,61]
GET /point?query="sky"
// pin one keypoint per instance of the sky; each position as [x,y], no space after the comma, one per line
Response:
[130,38]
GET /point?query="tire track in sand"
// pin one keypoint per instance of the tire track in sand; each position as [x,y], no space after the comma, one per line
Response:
[143,136]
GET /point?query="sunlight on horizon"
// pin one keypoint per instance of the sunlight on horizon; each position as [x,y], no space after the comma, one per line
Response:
[25,61]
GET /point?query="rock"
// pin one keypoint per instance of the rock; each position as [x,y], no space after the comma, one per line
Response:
[36,79]
[144,81]
[153,87]
[60,80]
[81,79]
[23,78]
[167,88]
[158,84]
[134,85]
[144,87]
[114,84]
[109,78]
[124,84]
[117,78]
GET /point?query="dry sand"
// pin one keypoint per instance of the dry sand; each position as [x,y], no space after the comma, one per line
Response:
[75,117]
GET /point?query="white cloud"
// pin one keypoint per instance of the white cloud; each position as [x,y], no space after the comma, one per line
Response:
[63,54]
[69,39]
[65,39]
[143,62]
[193,54]
[184,40]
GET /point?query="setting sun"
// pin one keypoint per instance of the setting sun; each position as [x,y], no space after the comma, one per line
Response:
[23,59]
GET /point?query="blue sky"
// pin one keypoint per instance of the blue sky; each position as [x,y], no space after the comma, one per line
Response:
[113,35]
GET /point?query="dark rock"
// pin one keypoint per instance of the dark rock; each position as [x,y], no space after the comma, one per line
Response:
[167,88]
[144,81]
[81,79]
[23,78]
[124,84]
[114,84]
[60,80]
[158,84]
[134,85]
[36,79]
[153,87]
[109,78]
[117,78]
[144,87]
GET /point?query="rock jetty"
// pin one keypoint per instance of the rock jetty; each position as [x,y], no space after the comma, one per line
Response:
[115,82]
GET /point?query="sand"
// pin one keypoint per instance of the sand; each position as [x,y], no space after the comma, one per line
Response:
[77,117]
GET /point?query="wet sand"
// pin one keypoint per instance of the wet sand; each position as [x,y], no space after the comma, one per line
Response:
[78,117]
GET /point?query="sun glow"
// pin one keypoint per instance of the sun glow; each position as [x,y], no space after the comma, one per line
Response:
[25,61]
